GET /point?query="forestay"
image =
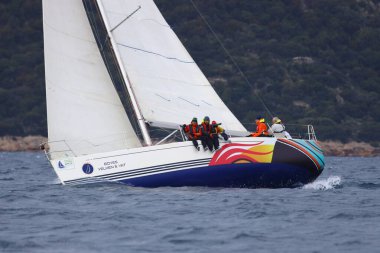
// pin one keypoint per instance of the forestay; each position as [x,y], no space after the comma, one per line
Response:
[85,114]
[169,86]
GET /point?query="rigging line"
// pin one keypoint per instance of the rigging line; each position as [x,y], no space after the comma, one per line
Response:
[231,57]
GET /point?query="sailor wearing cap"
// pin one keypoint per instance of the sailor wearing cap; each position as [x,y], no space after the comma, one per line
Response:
[278,129]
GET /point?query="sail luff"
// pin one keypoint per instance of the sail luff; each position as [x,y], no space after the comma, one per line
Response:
[127,81]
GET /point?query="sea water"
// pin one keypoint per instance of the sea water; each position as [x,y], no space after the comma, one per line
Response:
[339,212]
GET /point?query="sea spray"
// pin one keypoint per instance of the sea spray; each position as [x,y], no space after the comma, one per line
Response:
[324,184]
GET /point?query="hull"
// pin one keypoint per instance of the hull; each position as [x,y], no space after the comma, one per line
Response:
[245,162]
[258,175]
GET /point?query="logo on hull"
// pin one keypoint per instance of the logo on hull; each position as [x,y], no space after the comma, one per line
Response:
[66,164]
[87,168]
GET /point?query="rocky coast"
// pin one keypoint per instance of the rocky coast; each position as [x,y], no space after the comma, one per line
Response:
[330,148]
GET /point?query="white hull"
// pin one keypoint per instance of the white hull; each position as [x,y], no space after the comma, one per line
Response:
[131,163]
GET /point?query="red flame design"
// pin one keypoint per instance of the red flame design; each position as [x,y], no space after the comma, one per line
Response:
[235,153]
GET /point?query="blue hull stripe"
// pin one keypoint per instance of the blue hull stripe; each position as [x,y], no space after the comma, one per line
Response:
[87,180]
[126,175]
[168,165]
[104,178]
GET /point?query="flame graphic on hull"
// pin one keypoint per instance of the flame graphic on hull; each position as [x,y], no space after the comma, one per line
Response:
[243,153]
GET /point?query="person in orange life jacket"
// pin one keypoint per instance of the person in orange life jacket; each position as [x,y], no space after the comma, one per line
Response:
[261,128]
[193,132]
[206,131]
[216,129]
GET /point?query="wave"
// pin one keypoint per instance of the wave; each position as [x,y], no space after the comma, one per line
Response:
[331,182]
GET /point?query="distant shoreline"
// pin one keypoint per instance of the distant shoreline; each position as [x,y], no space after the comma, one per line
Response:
[330,148]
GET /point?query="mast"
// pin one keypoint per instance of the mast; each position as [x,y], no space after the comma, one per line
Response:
[127,81]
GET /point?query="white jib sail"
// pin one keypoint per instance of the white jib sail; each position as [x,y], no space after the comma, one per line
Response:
[169,86]
[85,114]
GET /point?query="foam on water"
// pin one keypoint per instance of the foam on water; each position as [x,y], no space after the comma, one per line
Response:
[324,184]
[55,181]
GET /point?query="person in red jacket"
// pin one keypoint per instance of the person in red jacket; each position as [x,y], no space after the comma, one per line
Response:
[206,134]
[193,132]
[261,128]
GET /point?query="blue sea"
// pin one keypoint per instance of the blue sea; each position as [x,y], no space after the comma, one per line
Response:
[339,212]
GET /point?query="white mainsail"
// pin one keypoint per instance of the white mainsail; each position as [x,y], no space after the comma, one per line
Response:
[169,86]
[85,113]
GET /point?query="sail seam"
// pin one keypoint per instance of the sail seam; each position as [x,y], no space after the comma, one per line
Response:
[188,101]
[155,21]
[67,34]
[163,97]
[158,54]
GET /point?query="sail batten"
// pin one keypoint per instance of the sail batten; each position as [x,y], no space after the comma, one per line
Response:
[169,86]
[155,53]
[85,114]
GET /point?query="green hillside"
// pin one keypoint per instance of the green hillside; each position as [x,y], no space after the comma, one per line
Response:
[310,61]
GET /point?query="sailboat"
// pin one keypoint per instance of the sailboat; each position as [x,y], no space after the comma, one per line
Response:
[114,71]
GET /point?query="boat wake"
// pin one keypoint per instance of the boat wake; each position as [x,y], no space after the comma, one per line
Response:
[331,182]
[56,181]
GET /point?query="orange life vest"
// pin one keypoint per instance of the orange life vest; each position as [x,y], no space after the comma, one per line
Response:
[206,129]
[194,131]
[261,130]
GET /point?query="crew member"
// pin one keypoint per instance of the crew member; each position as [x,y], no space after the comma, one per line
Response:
[206,131]
[261,128]
[278,129]
[193,132]
[216,129]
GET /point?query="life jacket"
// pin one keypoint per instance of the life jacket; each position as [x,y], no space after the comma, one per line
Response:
[186,128]
[216,129]
[283,129]
[261,130]
[206,129]
[194,131]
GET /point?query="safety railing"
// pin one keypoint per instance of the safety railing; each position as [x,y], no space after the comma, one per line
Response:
[298,131]
[61,149]
[311,132]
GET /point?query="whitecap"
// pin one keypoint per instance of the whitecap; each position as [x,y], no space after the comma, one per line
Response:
[324,184]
